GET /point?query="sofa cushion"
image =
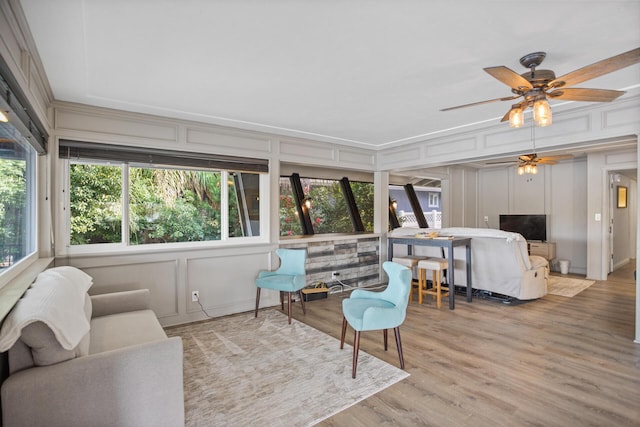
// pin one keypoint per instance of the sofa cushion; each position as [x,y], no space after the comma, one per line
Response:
[124,329]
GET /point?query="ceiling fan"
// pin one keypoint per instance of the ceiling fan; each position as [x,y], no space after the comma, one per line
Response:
[528,163]
[537,86]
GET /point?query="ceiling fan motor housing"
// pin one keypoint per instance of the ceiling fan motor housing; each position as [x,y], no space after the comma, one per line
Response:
[539,78]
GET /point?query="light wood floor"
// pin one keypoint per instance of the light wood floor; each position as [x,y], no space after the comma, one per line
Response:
[556,361]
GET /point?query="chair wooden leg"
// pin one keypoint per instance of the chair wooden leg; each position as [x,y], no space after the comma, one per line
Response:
[304,309]
[396,330]
[384,337]
[257,301]
[356,348]
[344,331]
[281,301]
[289,306]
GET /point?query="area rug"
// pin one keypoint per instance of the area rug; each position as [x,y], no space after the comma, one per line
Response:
[240,371]
[567,286]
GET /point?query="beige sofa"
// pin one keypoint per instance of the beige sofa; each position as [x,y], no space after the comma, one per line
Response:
[88,361]
[500,262]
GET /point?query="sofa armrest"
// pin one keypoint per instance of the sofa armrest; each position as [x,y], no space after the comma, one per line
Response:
[120,302]
[537,262]
[140,385]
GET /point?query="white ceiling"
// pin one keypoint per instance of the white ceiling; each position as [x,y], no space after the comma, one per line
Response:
[365,73]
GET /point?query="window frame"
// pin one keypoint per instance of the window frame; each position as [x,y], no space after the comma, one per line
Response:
[352,211]
[30,215]
[124,246]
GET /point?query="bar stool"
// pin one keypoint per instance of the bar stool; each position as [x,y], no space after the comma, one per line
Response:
[437,266]
[410,261]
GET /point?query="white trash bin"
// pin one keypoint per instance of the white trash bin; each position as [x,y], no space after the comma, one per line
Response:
[564,266]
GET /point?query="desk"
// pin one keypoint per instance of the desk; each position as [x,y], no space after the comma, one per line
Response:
[442,243]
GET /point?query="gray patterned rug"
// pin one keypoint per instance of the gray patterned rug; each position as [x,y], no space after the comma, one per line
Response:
[241,371]
[567,286]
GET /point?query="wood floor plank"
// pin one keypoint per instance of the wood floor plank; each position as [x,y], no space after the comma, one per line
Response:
[556,361]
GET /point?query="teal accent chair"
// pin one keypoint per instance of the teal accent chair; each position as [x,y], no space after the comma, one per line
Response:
[369,311]
[290,277]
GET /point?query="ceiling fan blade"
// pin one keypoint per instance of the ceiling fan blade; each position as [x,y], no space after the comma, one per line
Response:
[509,77]
[527,157]
[544,161]
[598,69]
[560,157]
[508,98]
[584,94]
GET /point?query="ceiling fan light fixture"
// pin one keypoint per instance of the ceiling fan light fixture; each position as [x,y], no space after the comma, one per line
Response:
[542,112]
[306,202]
[516,117]
[3,117]
[520,170]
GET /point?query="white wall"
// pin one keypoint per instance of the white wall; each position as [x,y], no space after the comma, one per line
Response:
[223,273]
[557,191]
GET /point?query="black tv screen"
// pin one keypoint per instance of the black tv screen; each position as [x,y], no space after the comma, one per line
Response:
[532,227]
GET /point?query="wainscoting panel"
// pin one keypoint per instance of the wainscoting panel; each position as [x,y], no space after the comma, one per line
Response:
[113,126]
[161,278]
[450,147]
[239,143]
[363,158]
[300,149]
[226,283]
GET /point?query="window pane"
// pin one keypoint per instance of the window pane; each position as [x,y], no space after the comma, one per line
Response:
[96,203]
[329,213]
[17,195]
[429,198]
[289,221]
[244,204]
[169,205]
[363,193]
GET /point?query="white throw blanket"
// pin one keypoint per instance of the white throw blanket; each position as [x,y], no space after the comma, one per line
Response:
[55,298]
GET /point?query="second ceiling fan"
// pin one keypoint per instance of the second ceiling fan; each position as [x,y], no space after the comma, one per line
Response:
[528,163]
[537,86]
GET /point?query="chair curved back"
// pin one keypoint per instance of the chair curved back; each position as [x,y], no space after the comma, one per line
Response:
[366,310]
[397,291]
[292,261]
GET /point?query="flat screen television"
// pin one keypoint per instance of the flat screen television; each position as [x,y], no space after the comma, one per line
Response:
[532,227]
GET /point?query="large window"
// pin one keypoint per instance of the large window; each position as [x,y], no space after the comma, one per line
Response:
[22,138]
[428,198]
[329,211]
[17,196]
[129,203]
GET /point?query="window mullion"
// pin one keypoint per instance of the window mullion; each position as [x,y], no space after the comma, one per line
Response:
[224,205]
[125,204]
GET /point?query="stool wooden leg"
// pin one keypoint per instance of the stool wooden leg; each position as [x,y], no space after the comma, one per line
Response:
[438,296]
[421,284]
[434,288]
[411,287]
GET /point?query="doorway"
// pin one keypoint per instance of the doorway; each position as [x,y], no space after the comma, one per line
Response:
[622,218]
